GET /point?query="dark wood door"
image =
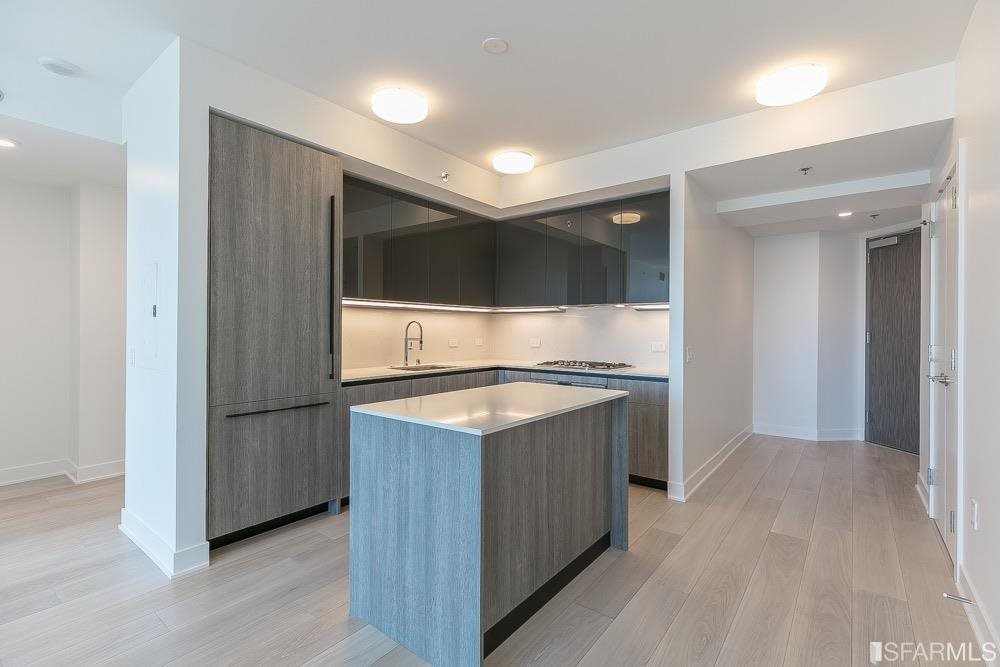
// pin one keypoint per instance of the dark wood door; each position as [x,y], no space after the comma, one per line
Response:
[267,459]
[893,342]
[274,267]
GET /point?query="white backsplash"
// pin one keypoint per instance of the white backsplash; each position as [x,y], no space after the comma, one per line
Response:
[374,337]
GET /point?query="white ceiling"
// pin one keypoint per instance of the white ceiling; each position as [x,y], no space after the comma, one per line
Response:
[581,75]
[885,173]
[46,156]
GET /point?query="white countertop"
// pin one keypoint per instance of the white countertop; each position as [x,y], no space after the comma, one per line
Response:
[487,410]
[383,372]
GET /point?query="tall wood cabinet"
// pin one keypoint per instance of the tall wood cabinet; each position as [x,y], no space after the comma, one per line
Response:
[274,327]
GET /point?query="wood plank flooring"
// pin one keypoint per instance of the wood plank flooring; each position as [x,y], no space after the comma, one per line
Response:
[792,553]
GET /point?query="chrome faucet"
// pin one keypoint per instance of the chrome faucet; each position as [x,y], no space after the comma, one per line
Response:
[408,341]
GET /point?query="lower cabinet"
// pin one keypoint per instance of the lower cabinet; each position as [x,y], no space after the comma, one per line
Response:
[267,459]
[647,441]
[437,384]
[359,394]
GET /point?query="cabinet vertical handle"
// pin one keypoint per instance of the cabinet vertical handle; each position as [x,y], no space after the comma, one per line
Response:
[333,278]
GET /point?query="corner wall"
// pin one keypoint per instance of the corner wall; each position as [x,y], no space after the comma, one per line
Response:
[718,332]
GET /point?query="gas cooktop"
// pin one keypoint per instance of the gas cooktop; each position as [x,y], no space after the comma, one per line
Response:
[588,365]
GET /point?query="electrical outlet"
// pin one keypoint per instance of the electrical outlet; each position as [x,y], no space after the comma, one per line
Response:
[534,342]
[657,346]
[688,354]
[478,342]
[452,342]
[974,513]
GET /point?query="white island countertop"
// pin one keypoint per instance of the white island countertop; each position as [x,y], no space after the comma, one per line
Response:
[485,410]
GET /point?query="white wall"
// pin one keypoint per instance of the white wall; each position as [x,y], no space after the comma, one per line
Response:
[37,335]
[808,335]
[840,347]
[718,331]
[599,333]
[977,126]
[61,346]
[786,335]
[99,240]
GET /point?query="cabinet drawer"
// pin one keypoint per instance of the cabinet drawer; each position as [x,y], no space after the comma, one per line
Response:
[572,378]
[643,391]
[647,441]
[267,459]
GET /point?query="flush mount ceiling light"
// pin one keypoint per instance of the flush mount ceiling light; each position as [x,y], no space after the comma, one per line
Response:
[513,162]
[7,143]
[495,45]
[790,85]
[399,105]
[627,218]
[60,67]
[845,214]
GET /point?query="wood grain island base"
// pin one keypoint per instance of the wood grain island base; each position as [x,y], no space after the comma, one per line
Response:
[470,509]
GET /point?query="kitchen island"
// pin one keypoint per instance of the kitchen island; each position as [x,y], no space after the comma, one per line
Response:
[470,509]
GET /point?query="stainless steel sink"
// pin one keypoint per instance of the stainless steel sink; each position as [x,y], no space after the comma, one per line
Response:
[420,367]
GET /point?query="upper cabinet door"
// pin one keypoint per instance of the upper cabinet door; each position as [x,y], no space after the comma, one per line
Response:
[367,216]
[562,258]
[603,261]
[647,248]
[477,261]
[521,262]
[274,266]
[407,277]
[444,242]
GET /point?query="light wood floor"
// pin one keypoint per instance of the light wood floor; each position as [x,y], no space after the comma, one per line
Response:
[791,553]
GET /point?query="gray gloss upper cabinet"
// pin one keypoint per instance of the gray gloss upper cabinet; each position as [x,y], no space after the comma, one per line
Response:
[477,261]
[367,227]
[274,266]
[407,275]
[603,260]
[647,248]
[562,258]
[521,262]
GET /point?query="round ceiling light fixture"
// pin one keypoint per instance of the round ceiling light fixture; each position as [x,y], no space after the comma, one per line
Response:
[790,85]
[513,162]
[845,214]
[495,45]
[60,67]
[7,143]
[626,218]
[399,105]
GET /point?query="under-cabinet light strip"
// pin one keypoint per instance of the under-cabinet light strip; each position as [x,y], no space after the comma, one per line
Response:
[403,305]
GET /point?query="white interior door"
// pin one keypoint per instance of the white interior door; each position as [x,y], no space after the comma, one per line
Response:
[943,367]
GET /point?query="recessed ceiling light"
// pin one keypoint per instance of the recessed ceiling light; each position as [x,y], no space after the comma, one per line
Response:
[7,143]
[845,214]
[790,85]
[627,218]
[495,45]
[399,105]
[60,67]
[513,162]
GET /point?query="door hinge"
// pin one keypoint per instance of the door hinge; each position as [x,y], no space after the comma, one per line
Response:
[954,198]
[932,229]
[951,521]
[868,337]
[867,414]
[954,359]
[931,476]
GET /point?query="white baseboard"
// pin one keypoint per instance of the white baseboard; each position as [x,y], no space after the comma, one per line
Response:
[682,491]
[33,471]
[173,563]
[96,471]
[781,431]
[982,624]
[837,434]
